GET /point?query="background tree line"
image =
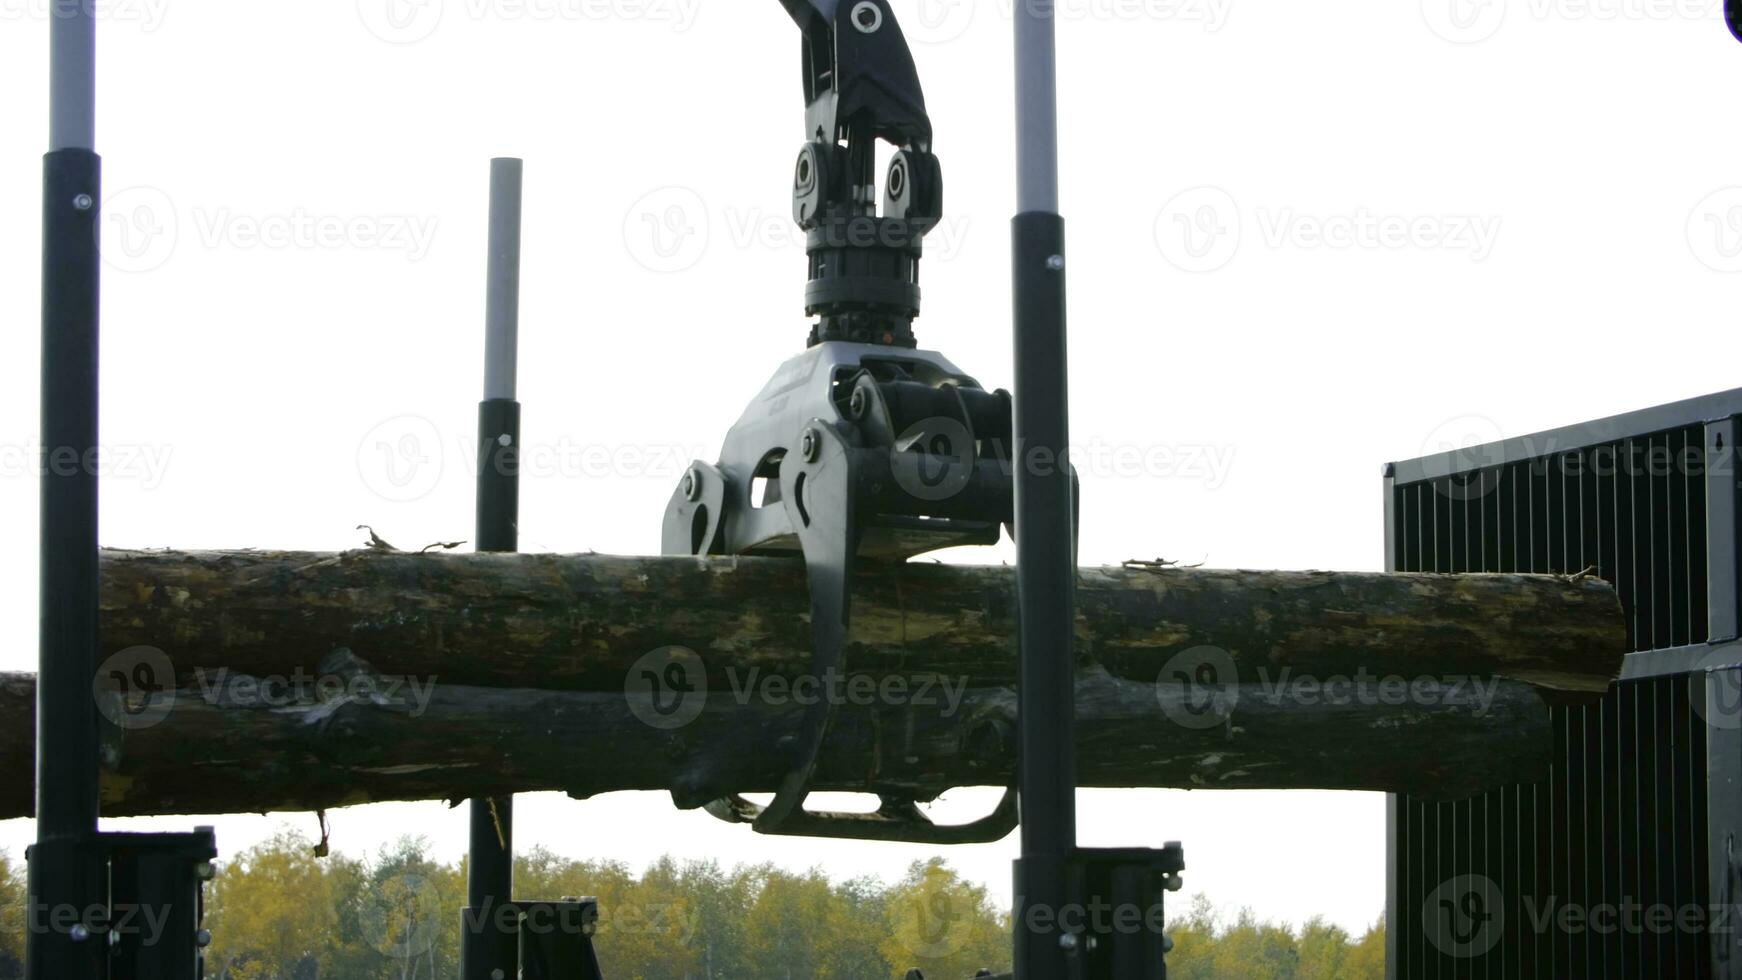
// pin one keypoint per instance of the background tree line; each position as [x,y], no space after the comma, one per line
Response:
[278,912]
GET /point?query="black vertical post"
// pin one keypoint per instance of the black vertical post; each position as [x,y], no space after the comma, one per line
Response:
[67,887]
[1045,546]
[490,935]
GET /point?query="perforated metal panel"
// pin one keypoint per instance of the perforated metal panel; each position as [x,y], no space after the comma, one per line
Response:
[1573,876]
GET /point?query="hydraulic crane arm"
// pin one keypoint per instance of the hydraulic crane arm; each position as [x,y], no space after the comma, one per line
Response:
[859,75]
[866,448]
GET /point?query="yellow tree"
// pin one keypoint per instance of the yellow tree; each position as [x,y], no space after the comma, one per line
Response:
[12,920]
[1324,951]
[942,924]
[1367,957]
[1194,941]
[271,911]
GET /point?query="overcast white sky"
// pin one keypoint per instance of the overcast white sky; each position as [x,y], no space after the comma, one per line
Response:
[1304,239]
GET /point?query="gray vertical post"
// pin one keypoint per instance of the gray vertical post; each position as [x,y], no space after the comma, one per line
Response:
[1045,546]
[489,934]
[1394,807]
[1037,179]
[1722,690]
[72,71]
[502,282]
[67,879]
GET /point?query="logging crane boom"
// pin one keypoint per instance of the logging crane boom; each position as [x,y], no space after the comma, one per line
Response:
[866,448]
[861,448]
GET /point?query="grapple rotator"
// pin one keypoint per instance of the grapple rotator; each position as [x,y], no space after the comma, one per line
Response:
[862,447]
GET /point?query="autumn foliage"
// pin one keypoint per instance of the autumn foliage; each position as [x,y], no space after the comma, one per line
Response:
[278,912]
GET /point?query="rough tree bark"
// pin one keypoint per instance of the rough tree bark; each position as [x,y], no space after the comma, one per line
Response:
[458,675]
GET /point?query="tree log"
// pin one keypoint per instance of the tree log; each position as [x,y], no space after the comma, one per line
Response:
[447,676]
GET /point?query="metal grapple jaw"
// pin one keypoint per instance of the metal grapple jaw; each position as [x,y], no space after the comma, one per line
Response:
[851,452]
